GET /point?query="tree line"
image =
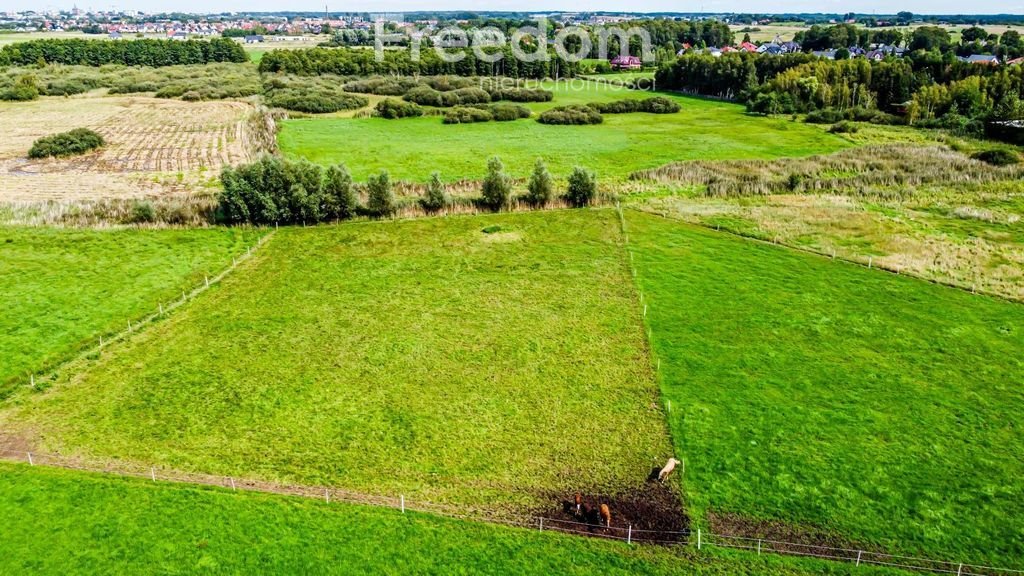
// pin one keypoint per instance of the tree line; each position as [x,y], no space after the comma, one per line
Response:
[143,52]
[274,190]
[359,62]
[922,88]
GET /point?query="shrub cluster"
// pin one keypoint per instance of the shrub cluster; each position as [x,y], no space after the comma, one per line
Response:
[998,157]
[571,115]
[843,127]
[427,96]
[503,112]
[24,89]
[381,86]
[275,190]
[315,96]
[515,94]
[833,115]
[656,105]
[77,141]
[467,115]
[392,109]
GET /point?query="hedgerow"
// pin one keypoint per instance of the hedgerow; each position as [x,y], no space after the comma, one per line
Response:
[656,105]
[574,114]
[392,109]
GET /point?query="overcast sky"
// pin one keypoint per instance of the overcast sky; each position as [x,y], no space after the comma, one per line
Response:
[760,6]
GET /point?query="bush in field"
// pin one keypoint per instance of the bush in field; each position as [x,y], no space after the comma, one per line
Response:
[571,115]
[77,141]
[392,109]
[380,86]
[273,190]
[472,95]
[521,95]
[380,197]
[340,201]
[541,189]
[466,115]
[998,157]
[424,96]
[497,187]
[844,127]
[505,112]
[825,116]
[317,103]
[656,105]
[582,190]
[436,198]
[25,88]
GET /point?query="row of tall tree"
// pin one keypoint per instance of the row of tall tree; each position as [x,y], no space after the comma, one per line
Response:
[361,62]
[275,190]
[143,52]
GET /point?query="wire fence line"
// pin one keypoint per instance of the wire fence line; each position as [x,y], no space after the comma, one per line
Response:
[162,309]
[694,537]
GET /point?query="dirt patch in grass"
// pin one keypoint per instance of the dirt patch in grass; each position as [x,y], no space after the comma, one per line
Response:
[653,510]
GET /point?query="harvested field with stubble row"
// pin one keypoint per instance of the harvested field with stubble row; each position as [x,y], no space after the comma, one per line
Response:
[155,147]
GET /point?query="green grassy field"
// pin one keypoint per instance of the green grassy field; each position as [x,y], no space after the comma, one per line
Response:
[61,289]
[424,358]
[876,407]
[61,522]
[412,148]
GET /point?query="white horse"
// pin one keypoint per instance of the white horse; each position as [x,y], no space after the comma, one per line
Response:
[667,469]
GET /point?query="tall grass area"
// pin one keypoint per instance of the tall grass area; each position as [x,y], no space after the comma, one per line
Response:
[496,361]
[60,522]
[61,289]
[412,148]
[881,409]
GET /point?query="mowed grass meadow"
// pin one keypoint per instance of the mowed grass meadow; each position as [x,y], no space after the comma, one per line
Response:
[60,522]
[61,289]
[412,148]
[429,358]
[878,408]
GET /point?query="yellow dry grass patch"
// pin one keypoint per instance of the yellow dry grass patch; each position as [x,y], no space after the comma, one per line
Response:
[155,147]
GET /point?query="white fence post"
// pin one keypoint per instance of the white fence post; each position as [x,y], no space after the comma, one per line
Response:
[758,546]
[327,496]
[859,552]
[403,503]
[960,569]
[30,462]
[161,309]
[152,473]
[698,538]
[629,534]
[232,483]
[541,524]
[207,281]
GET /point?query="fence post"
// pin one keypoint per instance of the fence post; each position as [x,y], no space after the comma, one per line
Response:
[859,552]
[871,260]
[698,538]
[207,281]
[960,569]
[327,496]
[30,462]
[758,546]
[403,503]
[541,524]
[232,483]
[629,534]
[161,309]
[152,473]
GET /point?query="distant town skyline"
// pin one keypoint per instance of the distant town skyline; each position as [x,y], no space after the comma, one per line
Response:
[740,6]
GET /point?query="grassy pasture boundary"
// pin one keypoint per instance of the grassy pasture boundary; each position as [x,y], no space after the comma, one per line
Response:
[142,323]
[863,261]
[698,538]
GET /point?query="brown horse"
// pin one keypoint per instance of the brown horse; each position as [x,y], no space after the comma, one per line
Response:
[606,515]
